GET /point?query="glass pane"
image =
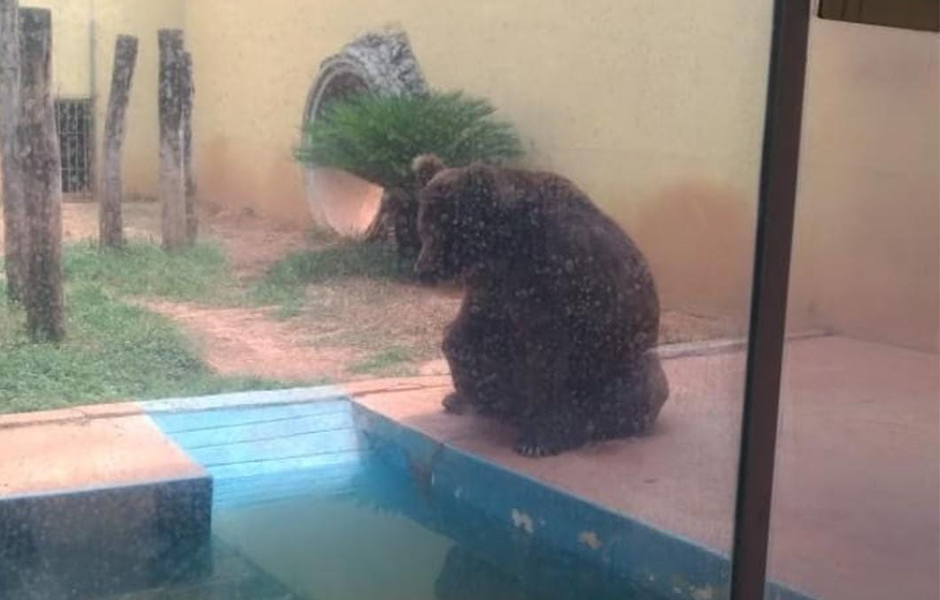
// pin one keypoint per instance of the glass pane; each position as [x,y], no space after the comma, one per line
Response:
[449,308]
[856,491]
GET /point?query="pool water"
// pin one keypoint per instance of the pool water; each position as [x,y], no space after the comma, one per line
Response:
[337,545]
[374,535]
[331,504]
[379,538]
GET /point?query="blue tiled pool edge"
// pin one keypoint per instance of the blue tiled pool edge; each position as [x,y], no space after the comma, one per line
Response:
[667,564]
[663,563]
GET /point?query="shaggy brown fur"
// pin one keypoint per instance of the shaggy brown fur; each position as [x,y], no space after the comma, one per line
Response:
[561,314]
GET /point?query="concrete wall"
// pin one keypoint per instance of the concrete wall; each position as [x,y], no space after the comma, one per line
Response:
[867,253]
[655,108]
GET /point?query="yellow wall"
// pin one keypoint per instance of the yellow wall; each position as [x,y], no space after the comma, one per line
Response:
[868,221]
[654,107]
[140,18]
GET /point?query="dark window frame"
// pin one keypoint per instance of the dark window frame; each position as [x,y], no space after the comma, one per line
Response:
[919,15]
[771,277]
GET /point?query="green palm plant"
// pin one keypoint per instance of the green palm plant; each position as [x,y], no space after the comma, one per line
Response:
[377,137]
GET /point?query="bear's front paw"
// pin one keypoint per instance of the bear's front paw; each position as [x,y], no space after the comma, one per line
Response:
[533,448]
[536,442]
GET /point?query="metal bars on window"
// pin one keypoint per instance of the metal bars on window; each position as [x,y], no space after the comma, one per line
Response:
[74,120]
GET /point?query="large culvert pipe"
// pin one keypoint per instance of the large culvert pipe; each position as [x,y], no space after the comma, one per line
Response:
[376,62]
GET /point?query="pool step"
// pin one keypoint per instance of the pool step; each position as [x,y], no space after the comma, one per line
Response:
[261,453]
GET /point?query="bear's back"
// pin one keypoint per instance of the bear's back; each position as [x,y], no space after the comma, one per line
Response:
[595,266]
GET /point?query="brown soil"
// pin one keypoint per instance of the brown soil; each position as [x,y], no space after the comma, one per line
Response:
[251,244]
[347,329]
[343,333]
[240,341]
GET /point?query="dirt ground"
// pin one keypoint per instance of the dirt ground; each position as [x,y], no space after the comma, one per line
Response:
[347,329]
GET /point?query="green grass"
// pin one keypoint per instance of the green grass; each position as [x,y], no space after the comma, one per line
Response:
[115,350]
[197,274]
[393,360]
[285,283]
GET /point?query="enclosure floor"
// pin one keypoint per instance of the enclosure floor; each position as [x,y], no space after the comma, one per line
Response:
[858,471]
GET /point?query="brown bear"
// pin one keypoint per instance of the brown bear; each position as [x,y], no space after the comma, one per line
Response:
[557,329]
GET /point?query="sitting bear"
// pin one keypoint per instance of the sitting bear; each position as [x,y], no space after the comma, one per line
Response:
[557,329]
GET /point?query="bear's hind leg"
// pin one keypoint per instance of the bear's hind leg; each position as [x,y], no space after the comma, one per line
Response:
[631,404]
[552,421]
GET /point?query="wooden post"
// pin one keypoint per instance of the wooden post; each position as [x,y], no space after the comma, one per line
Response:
[37,147]
[110,224]
[172,180]
[14,212]
[189,92]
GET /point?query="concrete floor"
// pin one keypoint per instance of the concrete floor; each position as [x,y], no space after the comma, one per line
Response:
[857,493]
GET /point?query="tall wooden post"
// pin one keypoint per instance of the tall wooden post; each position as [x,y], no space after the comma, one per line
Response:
[15,239]
[172,179]
[37,147]
[110,223]
[189,93]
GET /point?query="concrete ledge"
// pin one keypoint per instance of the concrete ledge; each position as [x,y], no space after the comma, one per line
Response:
[97,501]
[95,542]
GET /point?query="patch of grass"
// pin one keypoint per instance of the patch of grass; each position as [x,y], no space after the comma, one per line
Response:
[285,283]
[114,351]
[197,274]
[394,360]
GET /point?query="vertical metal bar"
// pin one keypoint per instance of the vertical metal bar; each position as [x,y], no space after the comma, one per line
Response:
[85,166]
[769,297]
[92,147]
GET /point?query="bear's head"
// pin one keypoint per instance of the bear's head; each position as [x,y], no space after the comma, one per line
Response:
[458,215]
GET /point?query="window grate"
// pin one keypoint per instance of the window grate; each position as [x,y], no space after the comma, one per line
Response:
[74,123]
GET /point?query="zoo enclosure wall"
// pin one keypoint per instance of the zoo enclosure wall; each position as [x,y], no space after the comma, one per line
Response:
[656,109]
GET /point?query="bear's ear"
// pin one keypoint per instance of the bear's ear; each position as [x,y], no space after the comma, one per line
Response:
[425,167]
